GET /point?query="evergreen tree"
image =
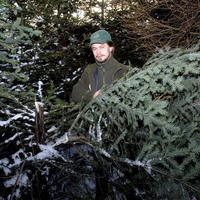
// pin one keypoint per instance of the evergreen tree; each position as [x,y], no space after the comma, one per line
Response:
[147,126]
[17,99]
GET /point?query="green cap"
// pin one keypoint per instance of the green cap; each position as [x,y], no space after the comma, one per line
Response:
[100,36]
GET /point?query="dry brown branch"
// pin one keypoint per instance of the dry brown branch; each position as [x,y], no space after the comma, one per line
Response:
[80,139]
[17,180]
[157,24]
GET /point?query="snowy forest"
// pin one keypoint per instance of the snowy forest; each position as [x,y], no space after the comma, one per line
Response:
[139,139]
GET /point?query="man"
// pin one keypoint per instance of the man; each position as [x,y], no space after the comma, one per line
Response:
[103,72]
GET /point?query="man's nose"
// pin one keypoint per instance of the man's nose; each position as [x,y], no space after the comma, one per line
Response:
[98,51]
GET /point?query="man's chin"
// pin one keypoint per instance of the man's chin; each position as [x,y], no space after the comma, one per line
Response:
[100,61]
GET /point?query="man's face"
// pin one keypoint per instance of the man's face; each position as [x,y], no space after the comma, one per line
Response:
[101,52]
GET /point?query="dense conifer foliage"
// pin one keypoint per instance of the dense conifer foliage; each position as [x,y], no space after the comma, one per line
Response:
[149,120]
[138,140]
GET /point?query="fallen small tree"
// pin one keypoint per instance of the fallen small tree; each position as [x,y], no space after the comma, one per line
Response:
[147,126]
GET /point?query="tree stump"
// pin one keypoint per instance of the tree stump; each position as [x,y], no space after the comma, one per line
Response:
[39,122]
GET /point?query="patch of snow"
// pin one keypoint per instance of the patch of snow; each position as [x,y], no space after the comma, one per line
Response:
[13,137]
[62,140]
[75,72]
[52,129]
[29,137]
[10,182]
[40,84]
[3,165]
[26,124]
[146,165]
[68,79]
[22,180]
[17,87]
[65,48]
[7,112]
[17,5]
[26,63]
[4,123]
[75,77]
[133,163]
[45,170]
[99,132]
[27,111]
[47,151]
[105,153]
[92,131]
[16,158]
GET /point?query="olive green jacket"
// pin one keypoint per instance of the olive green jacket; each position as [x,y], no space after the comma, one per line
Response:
[95,76]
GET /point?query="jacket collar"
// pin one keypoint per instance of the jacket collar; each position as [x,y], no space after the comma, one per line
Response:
[108,63]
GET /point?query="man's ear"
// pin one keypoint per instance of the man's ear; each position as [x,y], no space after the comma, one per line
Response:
[111,49]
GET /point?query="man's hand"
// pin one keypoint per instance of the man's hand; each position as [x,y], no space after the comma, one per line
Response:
[98,92]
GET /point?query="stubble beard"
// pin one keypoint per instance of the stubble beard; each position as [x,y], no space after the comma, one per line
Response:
[104,60]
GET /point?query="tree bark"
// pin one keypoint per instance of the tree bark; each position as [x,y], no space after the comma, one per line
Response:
[39,122]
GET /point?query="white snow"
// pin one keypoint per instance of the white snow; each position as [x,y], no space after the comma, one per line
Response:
[3,165]
[62,140]
[40,84]
[16,158]
[132,163]
[7,112]
[10,182]
[13,137]
[47,152]
[146,164]
[99,131]
[52,129]
[68,79]
[22,180]
[75,72]
[92,131]
[3,123]
[105,153]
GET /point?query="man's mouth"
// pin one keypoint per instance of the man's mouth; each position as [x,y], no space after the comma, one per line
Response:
[100,56]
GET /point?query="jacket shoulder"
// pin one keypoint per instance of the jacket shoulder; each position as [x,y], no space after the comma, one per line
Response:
[120,71]
[90,68]
[122,67]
